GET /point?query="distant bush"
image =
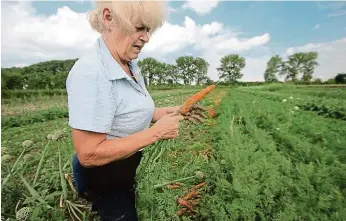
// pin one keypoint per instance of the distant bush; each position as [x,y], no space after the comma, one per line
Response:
[8,94]
[340,78]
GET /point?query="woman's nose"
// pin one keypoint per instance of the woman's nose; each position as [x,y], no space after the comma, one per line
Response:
[145,37]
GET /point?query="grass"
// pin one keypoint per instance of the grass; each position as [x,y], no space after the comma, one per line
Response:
[261,159]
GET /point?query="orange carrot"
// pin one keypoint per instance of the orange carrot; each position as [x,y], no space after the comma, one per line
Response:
[182,211]
[211,112]
[195,98]
[198,186]
[184,203]
[190,195]
[195,202]
[173,186]
[193,192]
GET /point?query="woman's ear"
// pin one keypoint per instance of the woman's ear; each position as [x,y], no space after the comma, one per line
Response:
[107,18]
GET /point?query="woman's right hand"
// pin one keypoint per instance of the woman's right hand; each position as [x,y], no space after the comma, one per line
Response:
[167,127]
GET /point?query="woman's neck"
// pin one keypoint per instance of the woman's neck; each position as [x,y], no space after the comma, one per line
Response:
[123,63]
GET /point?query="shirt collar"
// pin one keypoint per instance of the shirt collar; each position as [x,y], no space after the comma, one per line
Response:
[113,69]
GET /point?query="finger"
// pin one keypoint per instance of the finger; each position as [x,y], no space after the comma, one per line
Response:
[170,135]
[199,107]
[198,118]
[200,114]
[192,120]
[173,114]
[203,115]
[179,117]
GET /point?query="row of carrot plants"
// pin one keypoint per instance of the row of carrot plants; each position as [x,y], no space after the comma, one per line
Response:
[273,172]
[303,126]
[326,92]
[327,107]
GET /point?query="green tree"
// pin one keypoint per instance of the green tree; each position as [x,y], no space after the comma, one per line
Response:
[209,81]
[318,81]
[274,68]
[148,68]
[230,68]
[40,80]
[11,80]
[187,68]
[309,64]
[300,64]
[293,66]
[330,81]
[202,70]
[340,78]
[160,73]
[171,73]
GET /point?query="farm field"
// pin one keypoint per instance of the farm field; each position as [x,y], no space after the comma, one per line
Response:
[271,153]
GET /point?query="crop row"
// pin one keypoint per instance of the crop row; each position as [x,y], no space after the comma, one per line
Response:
[330,108]
[273,173]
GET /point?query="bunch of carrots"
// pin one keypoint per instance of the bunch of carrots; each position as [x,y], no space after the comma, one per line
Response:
[190,200]
[194,99]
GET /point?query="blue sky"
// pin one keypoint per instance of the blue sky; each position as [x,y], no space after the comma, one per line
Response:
[259,29]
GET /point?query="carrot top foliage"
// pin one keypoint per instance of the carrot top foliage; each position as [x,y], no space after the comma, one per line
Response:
[260,158]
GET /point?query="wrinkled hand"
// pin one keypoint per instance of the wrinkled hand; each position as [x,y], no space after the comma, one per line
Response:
[167,127]
[174,110]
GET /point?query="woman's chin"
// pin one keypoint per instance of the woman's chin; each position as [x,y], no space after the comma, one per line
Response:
[133,56]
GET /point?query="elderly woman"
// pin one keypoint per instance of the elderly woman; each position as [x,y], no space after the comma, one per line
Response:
[110,109]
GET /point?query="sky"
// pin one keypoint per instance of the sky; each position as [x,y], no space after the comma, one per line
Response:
[36,31]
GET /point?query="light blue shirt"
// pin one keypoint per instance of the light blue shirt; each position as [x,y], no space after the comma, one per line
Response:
[103,98]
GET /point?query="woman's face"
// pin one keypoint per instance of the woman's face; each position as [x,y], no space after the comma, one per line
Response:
[125,46]
[130,45]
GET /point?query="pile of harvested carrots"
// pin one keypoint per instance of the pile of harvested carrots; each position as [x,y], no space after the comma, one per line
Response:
[190,200]
[193,197]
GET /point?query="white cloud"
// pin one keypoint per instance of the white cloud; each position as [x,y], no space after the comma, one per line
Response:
[330,5]
[212,28]
[212,40]
[29,38]
[331,57]
[171,10]
[236,45]
[317,26]
[336,14]
[172,38]
[201,7]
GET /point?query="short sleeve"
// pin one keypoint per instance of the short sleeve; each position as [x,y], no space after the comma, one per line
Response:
[91,103]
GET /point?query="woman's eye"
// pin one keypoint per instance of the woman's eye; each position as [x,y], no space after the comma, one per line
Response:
[142,28]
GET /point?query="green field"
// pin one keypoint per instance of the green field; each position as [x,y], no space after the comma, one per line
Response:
[273,152]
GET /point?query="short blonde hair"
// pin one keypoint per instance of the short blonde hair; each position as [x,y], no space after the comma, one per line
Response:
[128,13]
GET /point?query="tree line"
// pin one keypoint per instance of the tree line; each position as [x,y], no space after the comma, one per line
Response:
[187,70]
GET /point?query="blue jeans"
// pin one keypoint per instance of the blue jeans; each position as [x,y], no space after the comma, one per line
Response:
[110,188]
